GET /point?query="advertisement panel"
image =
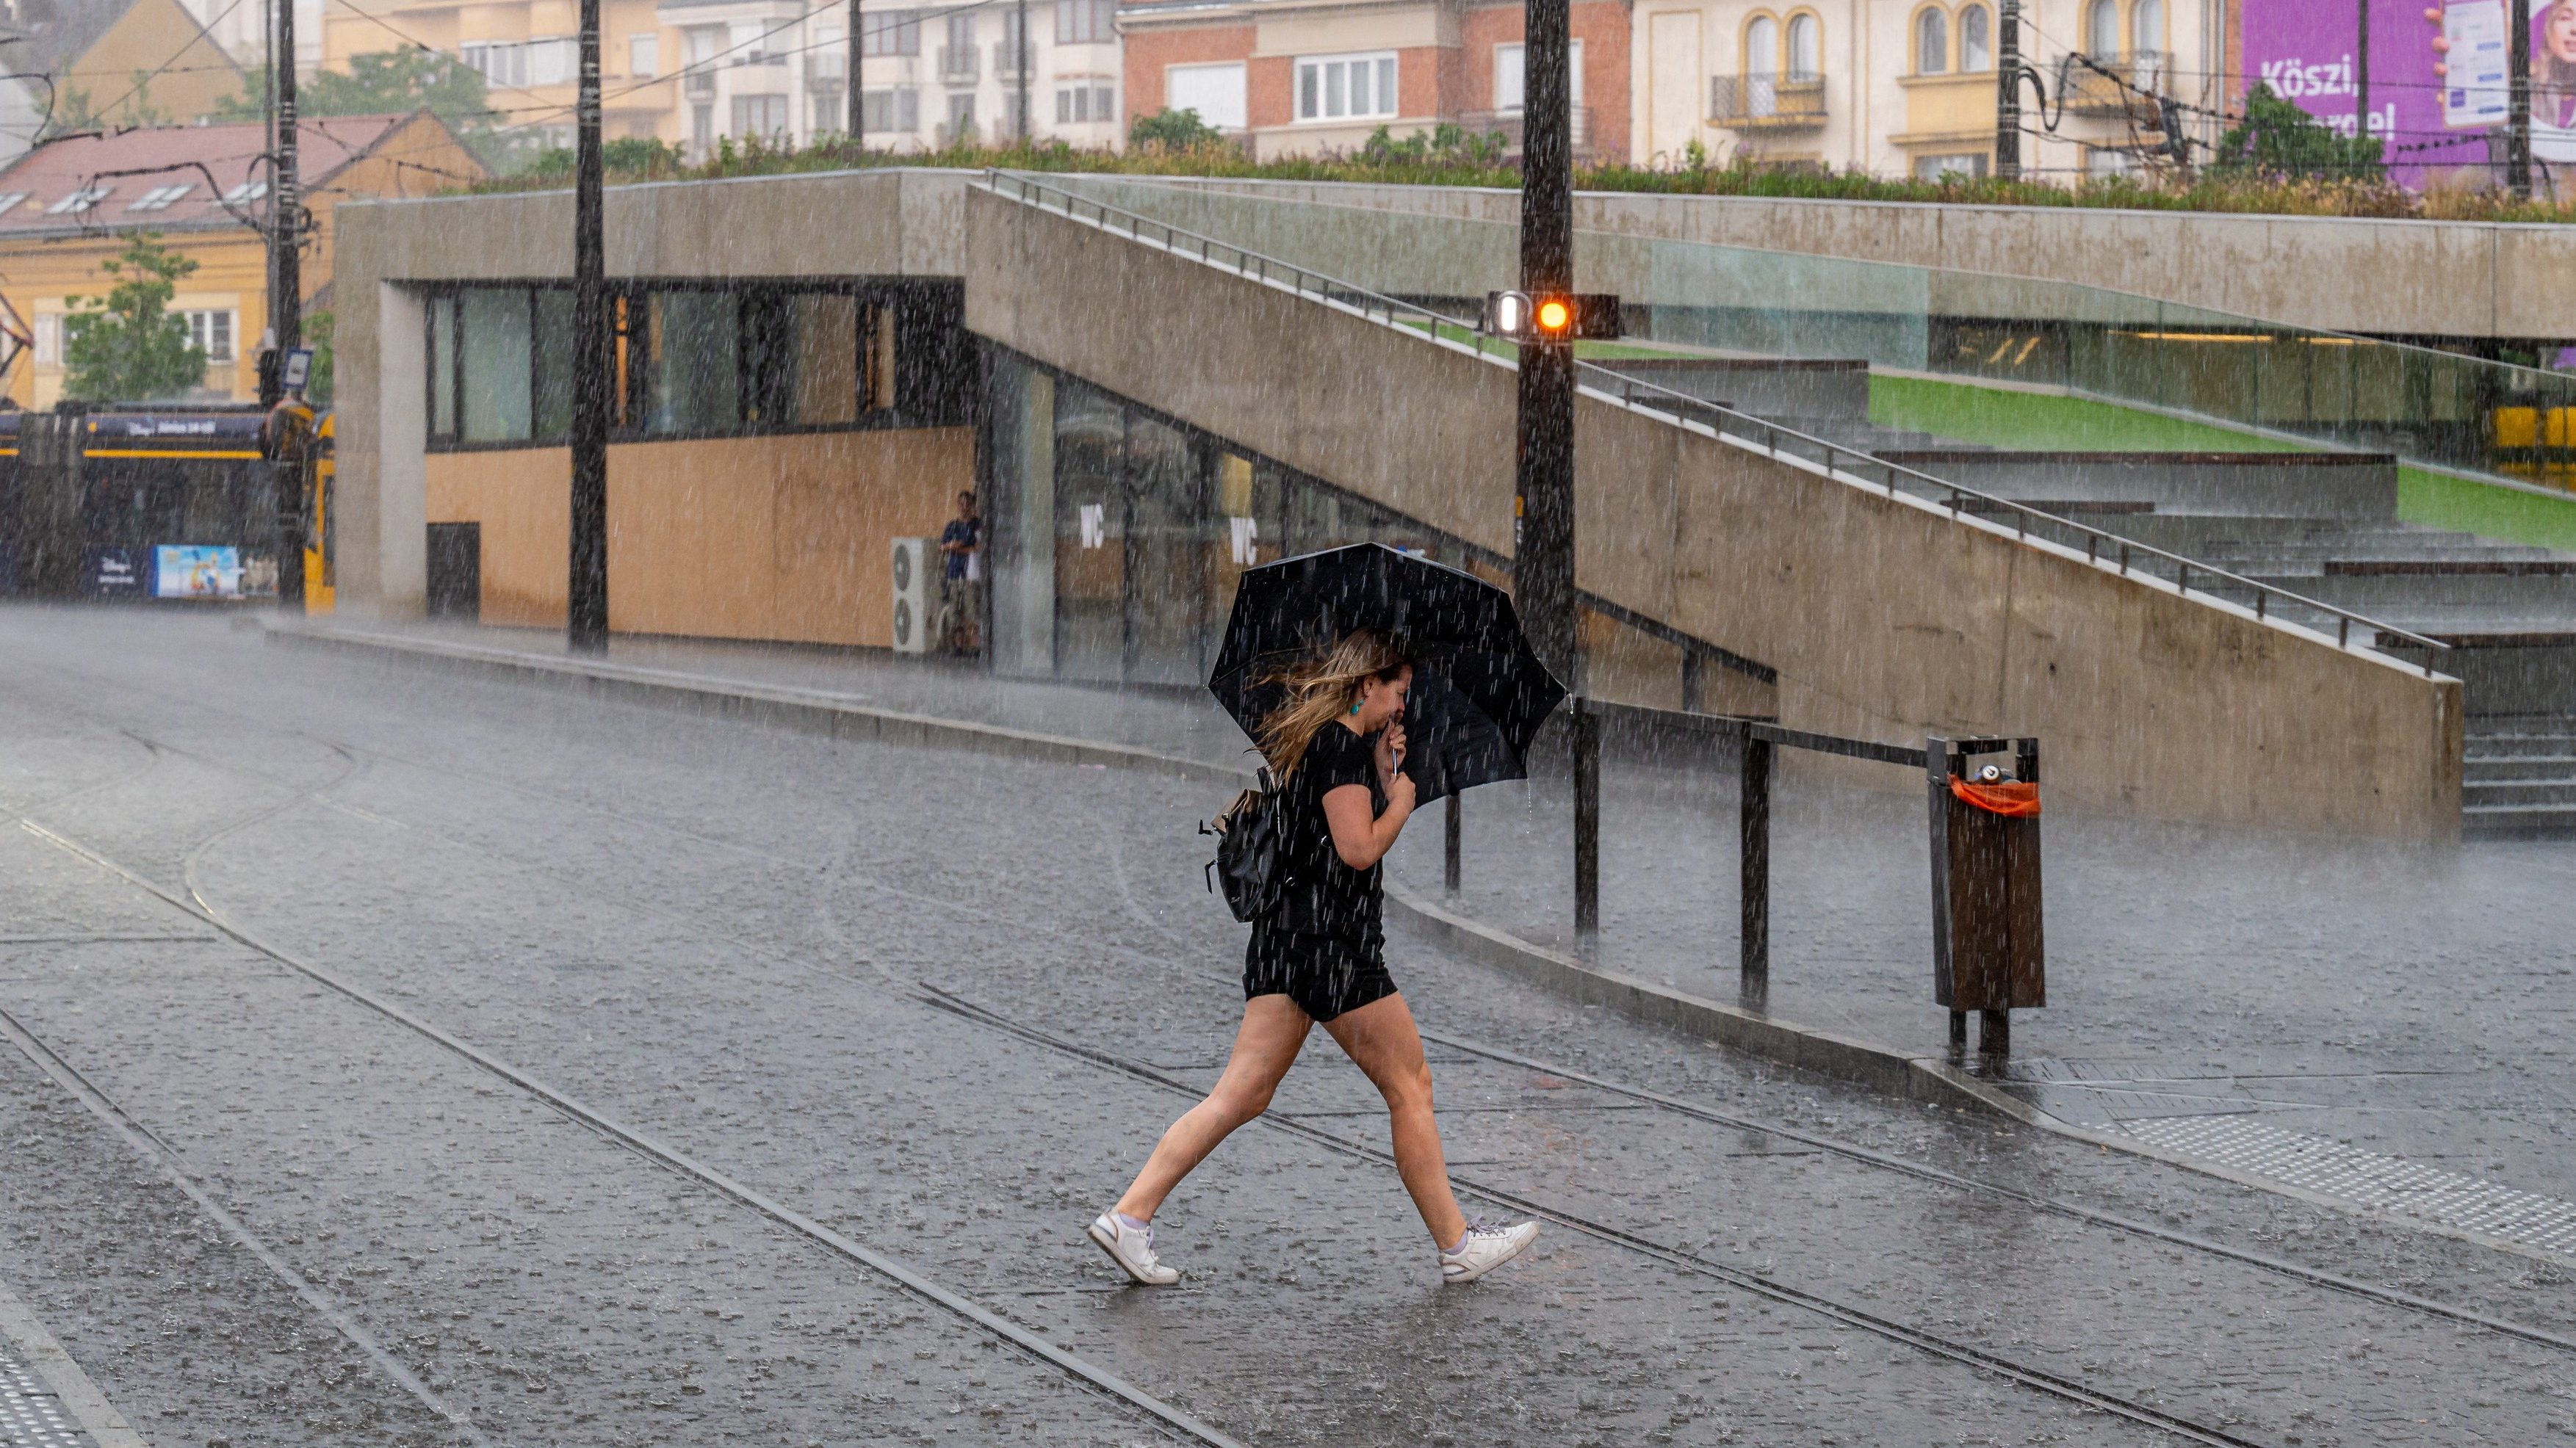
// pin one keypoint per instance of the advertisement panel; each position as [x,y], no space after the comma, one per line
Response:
[2304,51]
[194,571]
[116,573]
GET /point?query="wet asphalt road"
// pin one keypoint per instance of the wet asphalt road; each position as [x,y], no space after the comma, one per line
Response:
[728,937]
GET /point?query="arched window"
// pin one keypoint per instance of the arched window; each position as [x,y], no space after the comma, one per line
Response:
[1806,47]
[1976,45]
[2147,28]
[1762,46]
[1932,42]
[2102,29]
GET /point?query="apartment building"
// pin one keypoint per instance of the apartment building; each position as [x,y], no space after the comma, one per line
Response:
[528,53]
[938,76]
[1908,87]
[1303,77]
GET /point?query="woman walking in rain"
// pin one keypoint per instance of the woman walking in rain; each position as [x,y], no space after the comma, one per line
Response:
[1337,743]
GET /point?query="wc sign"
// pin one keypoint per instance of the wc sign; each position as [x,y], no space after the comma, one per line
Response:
[1245,534]
[1095,525]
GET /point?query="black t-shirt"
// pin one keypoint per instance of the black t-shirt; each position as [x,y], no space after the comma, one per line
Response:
[1319,895]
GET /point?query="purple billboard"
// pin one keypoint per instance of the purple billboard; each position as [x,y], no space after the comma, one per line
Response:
[2303,50]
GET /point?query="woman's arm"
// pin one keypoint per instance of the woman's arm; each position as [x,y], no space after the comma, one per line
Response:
[1358,839]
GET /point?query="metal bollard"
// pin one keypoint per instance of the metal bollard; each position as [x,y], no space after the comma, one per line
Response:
[1449,872]
[1753,873]
[1587,822]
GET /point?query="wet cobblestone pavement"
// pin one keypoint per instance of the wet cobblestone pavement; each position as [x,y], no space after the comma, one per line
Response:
[940,1004]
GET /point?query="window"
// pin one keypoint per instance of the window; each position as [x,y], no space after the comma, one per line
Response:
[702,128]
[744,42]
[1214,91]
[160,197]
[885,112]
[2147,43]
[49,339]
[553,62]
[1511,75]
[79,201]
[246,192]
[1762,47]
[644,56]
[1085,22]
[961,30]
[1339,87]
[1976,42]
[1806,47]
[896,32]
[9,201]
[2103,161]
[761,116]
[2102,29]
[212,334]
[1006,54]
[960,130]
[502,63]
[1083,104]
[1971,164]
[1931,46]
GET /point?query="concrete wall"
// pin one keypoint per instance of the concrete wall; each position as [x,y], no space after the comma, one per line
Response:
[1884,616]
[2394,278]
[885,223]
[781,538]
[2349,486]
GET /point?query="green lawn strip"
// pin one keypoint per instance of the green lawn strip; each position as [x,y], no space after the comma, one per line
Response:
[2002,417]
[2437,500]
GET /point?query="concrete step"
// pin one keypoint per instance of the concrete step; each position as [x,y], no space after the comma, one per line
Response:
[2491,820]
[2519,793]
[2480,768]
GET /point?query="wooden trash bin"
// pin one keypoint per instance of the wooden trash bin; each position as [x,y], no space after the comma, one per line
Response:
[1988,950]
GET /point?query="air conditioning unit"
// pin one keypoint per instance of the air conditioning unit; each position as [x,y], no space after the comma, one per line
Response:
[913,610]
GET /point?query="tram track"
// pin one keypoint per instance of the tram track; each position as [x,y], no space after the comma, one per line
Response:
[2304,1273]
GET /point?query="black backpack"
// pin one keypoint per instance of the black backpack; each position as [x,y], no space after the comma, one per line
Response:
[1246,867]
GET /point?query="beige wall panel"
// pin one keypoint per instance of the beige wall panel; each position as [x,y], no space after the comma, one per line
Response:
[1885,618]
[780,538]
[1327,34]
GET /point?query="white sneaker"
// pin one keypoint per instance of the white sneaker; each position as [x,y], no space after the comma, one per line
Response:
[1486,1248]
[1133,1249]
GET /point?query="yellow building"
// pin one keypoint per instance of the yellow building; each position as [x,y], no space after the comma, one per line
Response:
[108,63]
[528,54]
[70,205]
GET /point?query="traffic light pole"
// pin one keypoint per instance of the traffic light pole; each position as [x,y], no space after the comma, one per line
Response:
[2008,92]
[1543,533]
[586,591]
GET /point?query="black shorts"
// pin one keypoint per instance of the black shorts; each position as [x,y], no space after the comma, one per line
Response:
[1326,975]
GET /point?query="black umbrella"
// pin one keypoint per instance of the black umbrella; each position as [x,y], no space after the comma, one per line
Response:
[1479,693]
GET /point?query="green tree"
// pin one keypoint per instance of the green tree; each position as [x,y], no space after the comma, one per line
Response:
[1174,130]
[391,82]
[127,344]
[2277,138]
[319,328]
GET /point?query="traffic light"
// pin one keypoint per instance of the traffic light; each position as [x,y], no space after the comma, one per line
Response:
[1552,317]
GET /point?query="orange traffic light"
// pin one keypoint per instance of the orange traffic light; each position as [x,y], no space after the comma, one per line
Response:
[1554,316]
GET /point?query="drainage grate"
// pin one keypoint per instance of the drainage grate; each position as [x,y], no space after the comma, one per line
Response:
[30,1415]
[2388,1183]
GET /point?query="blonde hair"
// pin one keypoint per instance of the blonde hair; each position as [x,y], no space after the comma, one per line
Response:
[1320,691]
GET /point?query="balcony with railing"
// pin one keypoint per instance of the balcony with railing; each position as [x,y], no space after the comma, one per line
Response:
[1507,124]
[698,82]
[1784,102]
[826,72]
[1006,59]
[2118,87]
[958,64]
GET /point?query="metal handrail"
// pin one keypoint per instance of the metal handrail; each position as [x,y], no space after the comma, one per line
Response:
[1740,427]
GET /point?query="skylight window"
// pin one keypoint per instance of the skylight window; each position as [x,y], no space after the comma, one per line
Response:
[79,201]
[247,191]
[160,197]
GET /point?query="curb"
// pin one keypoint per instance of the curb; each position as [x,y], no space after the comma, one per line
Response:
[1868,1064]
[80,1398]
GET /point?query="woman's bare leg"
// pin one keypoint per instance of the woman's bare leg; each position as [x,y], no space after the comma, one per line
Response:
[1381,1038]
[1265,1046]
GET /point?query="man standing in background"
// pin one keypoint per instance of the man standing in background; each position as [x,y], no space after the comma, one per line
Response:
[961,604]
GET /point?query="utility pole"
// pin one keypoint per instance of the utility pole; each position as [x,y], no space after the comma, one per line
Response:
[2361,75]
[1023,59]
[2517,140]
[286,309]
[1543,535]
[2008,92]
[858,48]
[586,590]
